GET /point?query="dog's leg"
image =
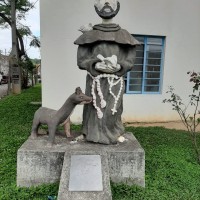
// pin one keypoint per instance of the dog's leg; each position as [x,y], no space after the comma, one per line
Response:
[67,128]
[52,132]
[35,126]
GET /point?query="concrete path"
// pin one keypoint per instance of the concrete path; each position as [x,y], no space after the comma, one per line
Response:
[170,125]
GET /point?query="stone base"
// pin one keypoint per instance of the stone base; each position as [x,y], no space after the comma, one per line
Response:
[37,163]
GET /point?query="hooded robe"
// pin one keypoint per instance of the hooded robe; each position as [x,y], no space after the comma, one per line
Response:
[107,40]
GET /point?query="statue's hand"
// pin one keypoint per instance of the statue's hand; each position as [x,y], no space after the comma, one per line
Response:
[107,65]
[111,60]
[102,67]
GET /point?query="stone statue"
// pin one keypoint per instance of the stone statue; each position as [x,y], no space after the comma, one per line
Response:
[53,118]
[107,52]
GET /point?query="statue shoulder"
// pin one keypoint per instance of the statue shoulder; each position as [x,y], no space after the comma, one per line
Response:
[120,36]
[125,37]
[86,38]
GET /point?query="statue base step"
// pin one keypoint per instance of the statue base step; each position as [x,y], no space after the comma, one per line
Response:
[38,164]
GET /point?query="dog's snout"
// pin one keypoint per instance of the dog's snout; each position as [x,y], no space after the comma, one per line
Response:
[107,4]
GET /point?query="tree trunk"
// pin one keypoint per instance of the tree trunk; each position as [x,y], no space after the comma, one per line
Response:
[15,68]
[9,76]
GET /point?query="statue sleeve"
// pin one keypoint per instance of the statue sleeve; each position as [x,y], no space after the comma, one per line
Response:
[87,57]
[86,60]
[126,60]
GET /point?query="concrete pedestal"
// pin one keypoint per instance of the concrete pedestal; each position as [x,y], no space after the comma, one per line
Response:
[37,163]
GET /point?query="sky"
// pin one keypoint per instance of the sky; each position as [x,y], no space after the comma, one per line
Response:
[33,21]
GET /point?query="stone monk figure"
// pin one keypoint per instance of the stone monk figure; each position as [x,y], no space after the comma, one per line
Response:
[107,52]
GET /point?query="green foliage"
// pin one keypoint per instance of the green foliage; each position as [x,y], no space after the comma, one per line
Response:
[24,30]
[35,42]
[171,169]
[27,68]
[36,61]
[27,64]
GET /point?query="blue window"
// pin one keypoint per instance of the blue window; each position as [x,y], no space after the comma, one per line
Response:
[146,76]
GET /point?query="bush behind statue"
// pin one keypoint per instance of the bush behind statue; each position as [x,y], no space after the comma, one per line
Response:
[190,121]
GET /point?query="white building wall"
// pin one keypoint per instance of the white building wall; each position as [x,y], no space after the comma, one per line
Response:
[178,20]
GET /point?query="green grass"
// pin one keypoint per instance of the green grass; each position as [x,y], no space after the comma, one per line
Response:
[172,171]
[16,114]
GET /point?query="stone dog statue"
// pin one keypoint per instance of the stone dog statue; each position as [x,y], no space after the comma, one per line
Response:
[53,118]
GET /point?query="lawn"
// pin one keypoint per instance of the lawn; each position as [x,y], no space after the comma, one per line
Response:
[172,171]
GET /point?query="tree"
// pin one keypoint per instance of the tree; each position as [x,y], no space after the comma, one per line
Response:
[14,57]
[189,113]
[7,18]
[27,71]
[22,7]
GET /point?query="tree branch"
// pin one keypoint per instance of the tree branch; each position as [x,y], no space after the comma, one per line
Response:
[6,19]
[32,6]
[19,37]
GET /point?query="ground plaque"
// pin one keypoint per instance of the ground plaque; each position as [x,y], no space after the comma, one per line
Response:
[85,173]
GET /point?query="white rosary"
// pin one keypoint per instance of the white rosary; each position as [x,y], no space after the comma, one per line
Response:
[110,78]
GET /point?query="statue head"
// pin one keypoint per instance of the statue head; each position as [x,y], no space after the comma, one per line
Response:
[107,9]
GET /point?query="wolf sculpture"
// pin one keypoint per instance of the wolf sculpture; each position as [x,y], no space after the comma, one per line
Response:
[53,118]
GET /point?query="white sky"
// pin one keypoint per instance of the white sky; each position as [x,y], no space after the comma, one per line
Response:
[33,21]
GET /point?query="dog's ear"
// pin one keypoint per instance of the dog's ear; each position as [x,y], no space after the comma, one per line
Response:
[78,90]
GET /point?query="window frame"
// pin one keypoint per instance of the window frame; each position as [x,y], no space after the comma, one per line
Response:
[128,91]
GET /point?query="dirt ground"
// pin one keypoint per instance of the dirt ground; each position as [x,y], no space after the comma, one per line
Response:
[171,125]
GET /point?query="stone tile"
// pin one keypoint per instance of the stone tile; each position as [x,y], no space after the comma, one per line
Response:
[64,192]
